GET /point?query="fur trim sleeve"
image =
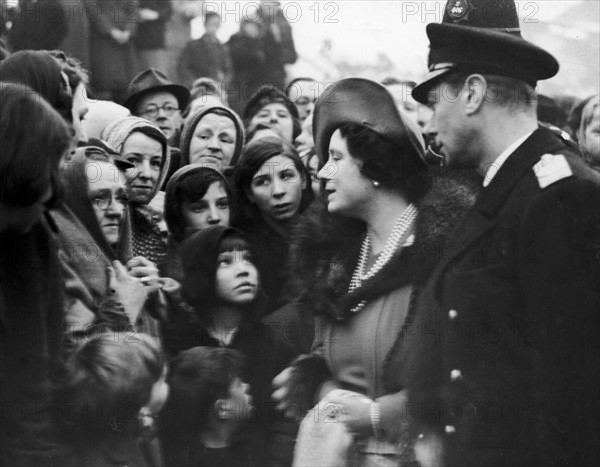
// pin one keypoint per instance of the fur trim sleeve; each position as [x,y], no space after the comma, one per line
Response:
[308,372]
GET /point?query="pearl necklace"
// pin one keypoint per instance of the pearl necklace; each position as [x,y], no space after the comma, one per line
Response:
[391,245]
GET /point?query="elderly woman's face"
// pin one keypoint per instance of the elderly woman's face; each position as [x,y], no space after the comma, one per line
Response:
[277,117]
[106,191]
[590,134]
[213,141]
[146,154]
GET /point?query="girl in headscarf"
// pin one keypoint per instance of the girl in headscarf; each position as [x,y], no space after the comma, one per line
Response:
[197,197]
[141,143]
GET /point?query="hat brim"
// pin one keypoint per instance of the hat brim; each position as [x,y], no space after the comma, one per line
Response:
[484,50]
[181,93]
[367,103]
[421,90]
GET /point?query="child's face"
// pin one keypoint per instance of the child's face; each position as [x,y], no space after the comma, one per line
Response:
[239,403]
[212,25]
[159,394]
[237,278]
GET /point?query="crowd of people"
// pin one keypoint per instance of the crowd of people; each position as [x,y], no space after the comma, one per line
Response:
[367,274]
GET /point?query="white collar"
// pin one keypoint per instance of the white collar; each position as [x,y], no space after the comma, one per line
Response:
[223,336]
[501,159]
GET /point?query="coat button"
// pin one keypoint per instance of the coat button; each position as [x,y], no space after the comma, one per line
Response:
[453,314]
[450,429]
[455,375]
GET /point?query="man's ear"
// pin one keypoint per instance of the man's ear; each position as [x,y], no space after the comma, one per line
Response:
[475,89]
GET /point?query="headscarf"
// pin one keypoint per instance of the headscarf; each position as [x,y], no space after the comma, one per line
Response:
[117,132]
[193,120]
[101,114]
[75,181]
[173,215]
[41,72]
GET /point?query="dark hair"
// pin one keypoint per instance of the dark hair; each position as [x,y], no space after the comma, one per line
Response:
[210,15]
[197,378]
[502,90]
[156,135]
[382,160]
[192,187]
[33,138]
[200,253]
[253,157]
[108,378]
[72,68]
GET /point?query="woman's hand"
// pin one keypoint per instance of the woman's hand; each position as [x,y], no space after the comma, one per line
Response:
[127,290]
[281,391]
[146,271]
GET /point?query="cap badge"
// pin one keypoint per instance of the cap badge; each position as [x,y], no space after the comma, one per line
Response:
[458,9]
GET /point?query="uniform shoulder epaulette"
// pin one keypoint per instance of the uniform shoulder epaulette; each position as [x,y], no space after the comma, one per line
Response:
[551,168]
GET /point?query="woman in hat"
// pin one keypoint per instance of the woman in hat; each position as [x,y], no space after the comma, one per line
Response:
[359,264]
[212,136]
[272,190]
[269,106]
[142,144]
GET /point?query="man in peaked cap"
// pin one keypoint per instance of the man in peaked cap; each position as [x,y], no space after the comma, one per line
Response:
[502,357]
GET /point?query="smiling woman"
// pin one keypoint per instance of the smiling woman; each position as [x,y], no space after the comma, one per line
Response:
[142,144]
[212,136]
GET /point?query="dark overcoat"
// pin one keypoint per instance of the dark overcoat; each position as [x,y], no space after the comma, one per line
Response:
[504,346]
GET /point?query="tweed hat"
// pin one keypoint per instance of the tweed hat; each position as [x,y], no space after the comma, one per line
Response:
[483,36]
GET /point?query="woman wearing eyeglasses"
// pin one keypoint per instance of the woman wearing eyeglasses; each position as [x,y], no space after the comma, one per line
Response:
[103,288]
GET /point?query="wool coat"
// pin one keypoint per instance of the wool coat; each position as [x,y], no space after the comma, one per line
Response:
[502,355]
[84,257]
[329,257]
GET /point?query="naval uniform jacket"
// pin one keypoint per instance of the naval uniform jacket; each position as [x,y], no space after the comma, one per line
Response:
[504,343]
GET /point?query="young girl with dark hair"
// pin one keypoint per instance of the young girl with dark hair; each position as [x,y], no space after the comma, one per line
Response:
[222,288]
[272,189]
[196,197]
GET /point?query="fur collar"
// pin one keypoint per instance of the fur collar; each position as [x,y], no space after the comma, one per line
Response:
[325,248]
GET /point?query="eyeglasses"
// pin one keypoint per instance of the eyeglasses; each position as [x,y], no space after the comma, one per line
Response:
[152,110]
[104,198]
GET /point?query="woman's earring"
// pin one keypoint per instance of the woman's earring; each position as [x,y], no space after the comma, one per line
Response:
[375,183]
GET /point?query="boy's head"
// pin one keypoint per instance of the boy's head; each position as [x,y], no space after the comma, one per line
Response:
[110,377]
[207,387]
[212,23]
